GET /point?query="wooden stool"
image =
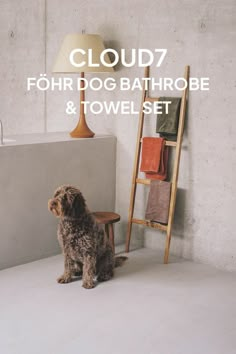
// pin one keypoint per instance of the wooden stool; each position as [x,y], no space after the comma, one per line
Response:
[108,219]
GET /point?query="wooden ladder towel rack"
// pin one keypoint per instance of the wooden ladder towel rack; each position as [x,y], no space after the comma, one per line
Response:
[135,180]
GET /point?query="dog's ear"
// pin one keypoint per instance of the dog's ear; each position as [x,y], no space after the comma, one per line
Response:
[78,205]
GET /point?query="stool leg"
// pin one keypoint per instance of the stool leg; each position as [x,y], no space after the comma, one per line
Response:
[111,237]
[107,231]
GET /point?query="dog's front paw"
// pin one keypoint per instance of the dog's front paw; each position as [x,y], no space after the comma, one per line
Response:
[88,284]
[64,278]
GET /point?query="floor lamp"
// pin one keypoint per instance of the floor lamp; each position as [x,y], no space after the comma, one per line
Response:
[80,53]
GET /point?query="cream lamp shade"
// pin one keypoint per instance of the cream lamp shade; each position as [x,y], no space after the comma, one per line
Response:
[85,43]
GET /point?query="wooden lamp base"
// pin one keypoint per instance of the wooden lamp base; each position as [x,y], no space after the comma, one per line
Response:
[82,130]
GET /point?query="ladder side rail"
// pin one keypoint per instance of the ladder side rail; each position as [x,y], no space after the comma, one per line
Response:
[176,165]
[136,163]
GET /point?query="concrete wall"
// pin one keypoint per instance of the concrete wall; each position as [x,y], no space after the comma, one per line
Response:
[199,33]
[22,35]
[28,177]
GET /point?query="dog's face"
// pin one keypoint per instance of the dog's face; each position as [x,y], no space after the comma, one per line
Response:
[67,202]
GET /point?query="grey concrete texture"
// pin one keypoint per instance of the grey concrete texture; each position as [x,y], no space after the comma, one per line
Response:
[147,307]
[29,176]
[199,33]
[23,54]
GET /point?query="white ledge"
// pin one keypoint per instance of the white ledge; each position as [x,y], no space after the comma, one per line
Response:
[42,138]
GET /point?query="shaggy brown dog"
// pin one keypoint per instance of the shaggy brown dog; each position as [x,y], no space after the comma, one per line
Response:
[85,247]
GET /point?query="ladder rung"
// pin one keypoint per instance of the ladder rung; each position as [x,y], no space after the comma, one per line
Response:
[167,142]
[147,181]
[170,143]
[148,223]
[143,181]
[152,99]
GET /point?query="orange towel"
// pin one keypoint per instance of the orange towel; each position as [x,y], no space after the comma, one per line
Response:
[162,173]
[154,158]
[151,154]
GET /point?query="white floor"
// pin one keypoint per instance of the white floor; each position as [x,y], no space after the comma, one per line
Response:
[148,308]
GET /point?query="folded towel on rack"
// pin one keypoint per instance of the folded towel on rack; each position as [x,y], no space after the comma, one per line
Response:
[154,158]
[158,202]
[162,173]
[167,123]
[152,153]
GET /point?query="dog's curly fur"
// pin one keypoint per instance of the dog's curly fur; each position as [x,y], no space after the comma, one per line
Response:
[85,247]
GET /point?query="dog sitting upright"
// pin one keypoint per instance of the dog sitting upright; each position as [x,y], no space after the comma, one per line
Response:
[85,246]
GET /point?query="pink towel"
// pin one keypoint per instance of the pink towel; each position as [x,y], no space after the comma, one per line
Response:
[158,202]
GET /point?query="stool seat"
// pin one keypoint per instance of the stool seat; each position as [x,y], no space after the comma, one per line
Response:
[107,218]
